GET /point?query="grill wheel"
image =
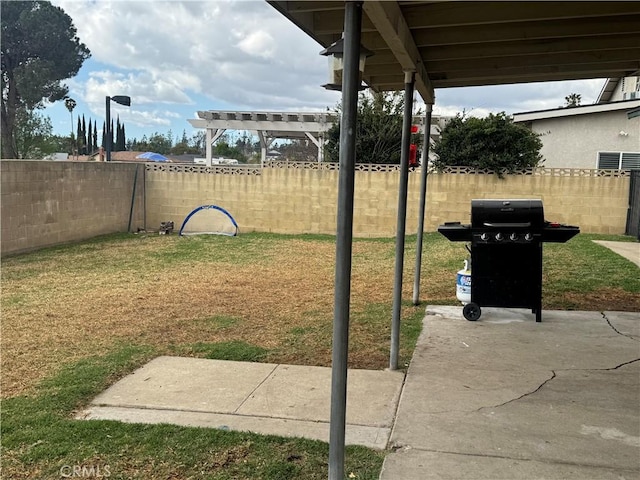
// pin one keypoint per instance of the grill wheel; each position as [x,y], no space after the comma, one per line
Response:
[471,311]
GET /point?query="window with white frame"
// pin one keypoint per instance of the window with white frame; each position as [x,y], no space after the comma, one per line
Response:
[619,160]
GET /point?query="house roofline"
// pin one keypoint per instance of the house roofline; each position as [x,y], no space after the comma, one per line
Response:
[579,110]
[608,88]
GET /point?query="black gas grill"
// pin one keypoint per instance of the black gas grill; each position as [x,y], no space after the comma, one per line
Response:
[506,253]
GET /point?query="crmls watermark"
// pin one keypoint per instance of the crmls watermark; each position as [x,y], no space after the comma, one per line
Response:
[85,471]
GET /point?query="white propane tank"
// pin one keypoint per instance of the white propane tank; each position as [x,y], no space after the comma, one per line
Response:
[463,284]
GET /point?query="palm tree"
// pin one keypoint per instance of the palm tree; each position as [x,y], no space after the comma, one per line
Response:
[70,103]
[572,100]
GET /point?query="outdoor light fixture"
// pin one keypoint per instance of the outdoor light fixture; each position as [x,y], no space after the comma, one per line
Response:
[122,100]
[335,53]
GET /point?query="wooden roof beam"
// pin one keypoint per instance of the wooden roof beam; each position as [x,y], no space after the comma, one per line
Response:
[388,19]
[519,31]
[528,61]
[533,47]
[455,14]
[512,74]
[529,78]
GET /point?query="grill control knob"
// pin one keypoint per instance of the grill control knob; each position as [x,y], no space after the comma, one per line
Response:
[528,237]
[499,237]
[513,237]
[484,237]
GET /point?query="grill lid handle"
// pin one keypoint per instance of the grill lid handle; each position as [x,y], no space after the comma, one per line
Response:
[508,225]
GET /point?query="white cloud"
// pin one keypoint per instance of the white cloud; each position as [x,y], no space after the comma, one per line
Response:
[242,53]
[172,56]
[259,44]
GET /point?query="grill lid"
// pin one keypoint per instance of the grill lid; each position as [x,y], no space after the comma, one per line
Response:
[487,214]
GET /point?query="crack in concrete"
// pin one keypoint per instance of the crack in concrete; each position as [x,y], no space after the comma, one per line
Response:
[553,375]
[598,369]
[553,372]
[622,364]
[618,331]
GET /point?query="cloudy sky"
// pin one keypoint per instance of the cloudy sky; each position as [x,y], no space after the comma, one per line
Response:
[177,57]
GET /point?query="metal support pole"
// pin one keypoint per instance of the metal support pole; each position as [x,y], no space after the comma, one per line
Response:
[208,147]
[133,199]
[409,81]
[344,239]
[107,127]
[423,203]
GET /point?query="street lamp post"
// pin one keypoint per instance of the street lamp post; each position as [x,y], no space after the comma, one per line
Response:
[122,100]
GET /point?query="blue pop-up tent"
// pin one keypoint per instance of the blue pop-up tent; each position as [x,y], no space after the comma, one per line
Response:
[154,157]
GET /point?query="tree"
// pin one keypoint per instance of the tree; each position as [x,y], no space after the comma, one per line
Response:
[95,135]
[112,141]
[494,142]
[90,146]
[122,143]
[182,147]
[197,142]
[116,145]
[378,130]
[299,150]
[157,143]
[40,49]
[223,149]
[33,138]
[572,100]
[78,145]
[83,140]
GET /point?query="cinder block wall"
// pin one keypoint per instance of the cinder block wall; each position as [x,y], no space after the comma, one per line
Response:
[597,204]
[48,203]
[281,200]
[278,200]
[304,200]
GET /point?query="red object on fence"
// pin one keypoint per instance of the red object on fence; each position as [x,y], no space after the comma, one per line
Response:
[413,154]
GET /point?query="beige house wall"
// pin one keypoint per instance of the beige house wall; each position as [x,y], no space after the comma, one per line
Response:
[574,141]
[304,200]
[48,203]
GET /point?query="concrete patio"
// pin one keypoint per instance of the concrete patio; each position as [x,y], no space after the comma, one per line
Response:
[509,398]
[287,400]
[501,398]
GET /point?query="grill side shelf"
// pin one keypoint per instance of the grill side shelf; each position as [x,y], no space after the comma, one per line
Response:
[559,234]
[456,232]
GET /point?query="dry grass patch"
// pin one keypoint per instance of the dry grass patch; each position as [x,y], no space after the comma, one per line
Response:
[78,301]
[275,293]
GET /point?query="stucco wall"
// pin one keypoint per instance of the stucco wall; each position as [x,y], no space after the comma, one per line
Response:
[303,200]
[574,142]
[48,203]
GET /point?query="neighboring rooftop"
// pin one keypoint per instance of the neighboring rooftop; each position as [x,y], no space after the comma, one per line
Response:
[579,110]
[624,88]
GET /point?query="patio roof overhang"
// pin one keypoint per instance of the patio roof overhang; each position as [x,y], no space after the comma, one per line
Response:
[460,44]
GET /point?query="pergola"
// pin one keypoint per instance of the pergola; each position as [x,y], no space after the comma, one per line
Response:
[424,45]
[270,126]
